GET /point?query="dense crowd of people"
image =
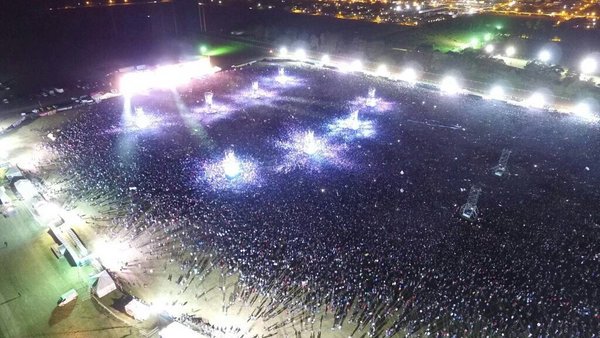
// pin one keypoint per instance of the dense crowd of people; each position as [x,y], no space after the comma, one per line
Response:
[379,246]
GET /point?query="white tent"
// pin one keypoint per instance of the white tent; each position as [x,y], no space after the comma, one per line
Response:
[104,285]
[26,189]
[178,330]
[137,310]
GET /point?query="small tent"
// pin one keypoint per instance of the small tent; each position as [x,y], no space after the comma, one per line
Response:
[178,330]
[104,285]
[137,310]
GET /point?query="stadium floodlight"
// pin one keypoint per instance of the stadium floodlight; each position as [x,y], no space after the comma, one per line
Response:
[544,55]
[489,49]
[300,54]
[325,59]
[382,70]
[496,93]
[510,51]
[449,85]
[344,67]
[356,66]
[283,51]
[409,75]
[536,100]
[584,111]
[588,65]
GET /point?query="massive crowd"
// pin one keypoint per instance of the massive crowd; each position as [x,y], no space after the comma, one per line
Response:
[379,246]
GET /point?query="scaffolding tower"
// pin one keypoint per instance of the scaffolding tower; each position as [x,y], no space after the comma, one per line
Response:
[469,210]
[500,168]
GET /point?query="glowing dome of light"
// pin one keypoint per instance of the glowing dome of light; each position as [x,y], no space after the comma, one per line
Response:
[356,66]
[409,75]
[450,85]
[511,51]
[544,56]
[588,65]
[325,59]
[231,165]
[382,70]
[497,93]
[489,49]
[283,52]
[584,111]
[536,100]
[300,54]
[310,145]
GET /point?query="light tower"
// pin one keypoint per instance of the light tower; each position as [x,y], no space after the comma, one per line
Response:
[500,168]
[208,99]
[469,210]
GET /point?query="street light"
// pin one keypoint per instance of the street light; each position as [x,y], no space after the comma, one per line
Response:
[489,49]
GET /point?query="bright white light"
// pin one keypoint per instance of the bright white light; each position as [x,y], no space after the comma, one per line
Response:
[353,121]
[584,111]
[588,65]
[356,66]
[544,56]
[163,77]
[409,75]
[536,100]
[255,86]
[371,99]
[344,67]
[511,51]
[497,93]
[231,166]
[141,120]
[449,85]
[283,52]
[281,77]
[382,71]
[371,93]
[208,98]
[310,145]
[300,54]
[325,59]
[489,49]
